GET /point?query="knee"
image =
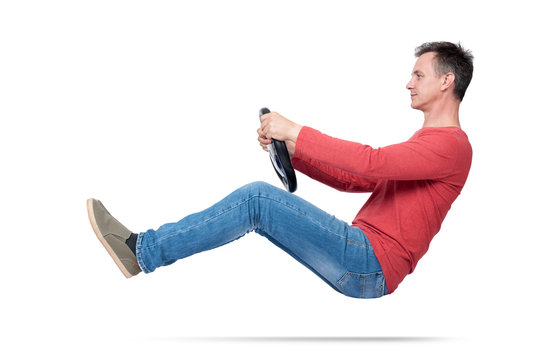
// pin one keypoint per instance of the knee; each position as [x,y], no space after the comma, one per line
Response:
[258,187]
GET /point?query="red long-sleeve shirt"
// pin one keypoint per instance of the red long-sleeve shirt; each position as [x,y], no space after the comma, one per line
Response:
[413,185]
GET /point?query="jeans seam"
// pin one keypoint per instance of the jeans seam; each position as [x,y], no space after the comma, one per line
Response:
[358,243]
[139,249]
[381,285]
[302,213]
[343,279]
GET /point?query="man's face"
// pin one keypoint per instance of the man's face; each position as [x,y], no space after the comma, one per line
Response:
[424,84]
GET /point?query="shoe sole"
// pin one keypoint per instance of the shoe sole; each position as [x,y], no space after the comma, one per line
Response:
[91,216]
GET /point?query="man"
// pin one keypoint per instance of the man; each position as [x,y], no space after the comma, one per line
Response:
[413,185]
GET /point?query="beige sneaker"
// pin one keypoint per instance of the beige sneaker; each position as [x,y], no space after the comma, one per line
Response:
[113,235]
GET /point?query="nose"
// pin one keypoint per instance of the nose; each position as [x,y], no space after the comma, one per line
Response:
[410,84]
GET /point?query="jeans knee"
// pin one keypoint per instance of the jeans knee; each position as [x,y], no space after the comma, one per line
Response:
[258,187]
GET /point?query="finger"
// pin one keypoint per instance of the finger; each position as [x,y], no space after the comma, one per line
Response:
[264,147]
[261,133]
[264,141]
[265,132]
[266,116]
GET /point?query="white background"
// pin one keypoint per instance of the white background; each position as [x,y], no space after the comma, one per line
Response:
[152,107]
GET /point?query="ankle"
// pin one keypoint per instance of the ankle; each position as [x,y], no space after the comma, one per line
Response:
[132,242]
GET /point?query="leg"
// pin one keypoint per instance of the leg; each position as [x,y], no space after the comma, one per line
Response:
[338,253]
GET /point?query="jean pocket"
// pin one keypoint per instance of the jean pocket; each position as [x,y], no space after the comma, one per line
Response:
[363,285]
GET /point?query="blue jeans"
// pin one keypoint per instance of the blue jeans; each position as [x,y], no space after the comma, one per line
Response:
[337,252]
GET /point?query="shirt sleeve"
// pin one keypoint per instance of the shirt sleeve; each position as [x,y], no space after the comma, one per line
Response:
[335,178]
[352,166]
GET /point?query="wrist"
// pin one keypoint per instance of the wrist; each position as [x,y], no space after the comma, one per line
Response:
[295,131]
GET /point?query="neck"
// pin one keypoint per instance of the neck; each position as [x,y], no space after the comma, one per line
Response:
[442,115]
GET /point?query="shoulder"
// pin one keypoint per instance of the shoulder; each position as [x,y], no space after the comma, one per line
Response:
[450,144]
[446,137]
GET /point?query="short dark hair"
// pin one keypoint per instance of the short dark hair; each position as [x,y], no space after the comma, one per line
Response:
[453,58]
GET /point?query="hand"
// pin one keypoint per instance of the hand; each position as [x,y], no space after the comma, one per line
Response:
[290,145]
[275,126]
[263,140]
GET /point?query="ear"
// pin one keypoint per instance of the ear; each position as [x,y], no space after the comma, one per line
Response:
[447,80]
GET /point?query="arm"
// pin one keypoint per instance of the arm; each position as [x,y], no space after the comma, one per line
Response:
[335,178]
[422,157]
[275,126]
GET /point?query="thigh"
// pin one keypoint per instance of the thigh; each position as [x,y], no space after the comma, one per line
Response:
[337,252]
[312,236]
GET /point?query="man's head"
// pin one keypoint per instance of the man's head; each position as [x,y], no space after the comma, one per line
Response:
[442,68]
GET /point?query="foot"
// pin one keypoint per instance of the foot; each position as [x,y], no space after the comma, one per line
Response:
[113,235]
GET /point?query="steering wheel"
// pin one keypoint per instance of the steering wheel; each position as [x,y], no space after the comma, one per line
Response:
[280,159]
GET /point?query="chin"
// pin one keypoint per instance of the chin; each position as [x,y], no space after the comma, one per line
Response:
[416,105]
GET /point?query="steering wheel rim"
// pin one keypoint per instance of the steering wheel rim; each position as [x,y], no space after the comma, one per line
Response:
[280,159]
